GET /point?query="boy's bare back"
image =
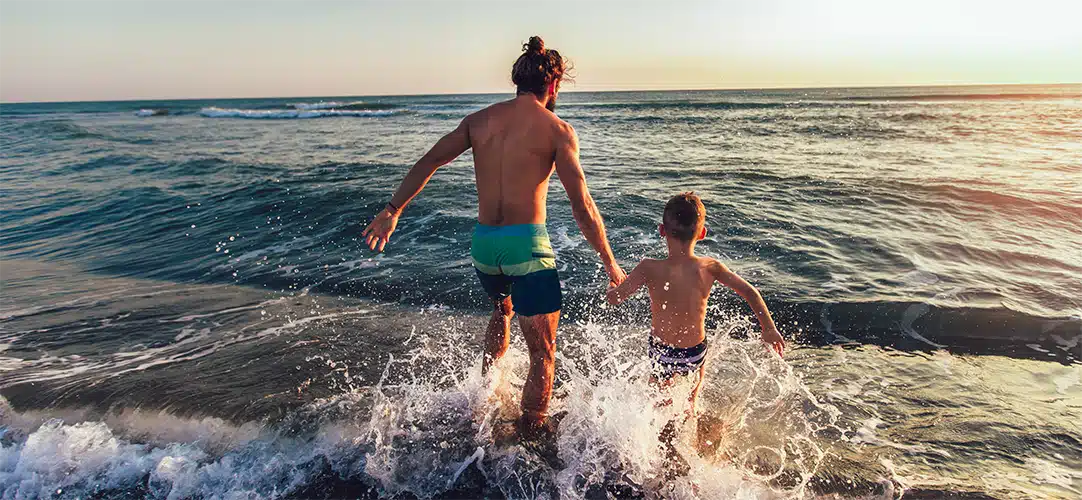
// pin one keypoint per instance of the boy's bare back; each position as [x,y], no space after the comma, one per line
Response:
[679,288]
[680,285]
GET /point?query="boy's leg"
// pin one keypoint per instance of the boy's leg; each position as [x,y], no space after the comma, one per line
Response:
[540,333]
[695,391]
[662,384]
[498,335]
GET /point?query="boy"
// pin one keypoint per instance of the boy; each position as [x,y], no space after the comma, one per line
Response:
[679,287]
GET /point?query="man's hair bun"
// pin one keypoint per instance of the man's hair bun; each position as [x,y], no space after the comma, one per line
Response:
[536,45]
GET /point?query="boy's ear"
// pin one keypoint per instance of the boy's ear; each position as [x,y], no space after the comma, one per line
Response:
[702,234]
[661,229]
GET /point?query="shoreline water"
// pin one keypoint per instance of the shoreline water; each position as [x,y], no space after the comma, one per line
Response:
[188,294]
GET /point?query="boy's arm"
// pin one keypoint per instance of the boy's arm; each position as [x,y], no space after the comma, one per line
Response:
[730,279]
[634,281]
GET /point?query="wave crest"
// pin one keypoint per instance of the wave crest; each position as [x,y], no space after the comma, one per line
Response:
[215,112]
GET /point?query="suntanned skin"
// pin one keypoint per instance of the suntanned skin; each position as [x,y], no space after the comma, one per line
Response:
[679,287]
[517,145]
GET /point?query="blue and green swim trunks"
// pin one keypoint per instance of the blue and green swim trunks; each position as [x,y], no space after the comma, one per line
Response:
[518,261]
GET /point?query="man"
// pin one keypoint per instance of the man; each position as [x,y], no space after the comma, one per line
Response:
[515,145]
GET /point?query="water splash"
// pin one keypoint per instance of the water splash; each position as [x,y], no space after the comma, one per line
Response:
[433,425]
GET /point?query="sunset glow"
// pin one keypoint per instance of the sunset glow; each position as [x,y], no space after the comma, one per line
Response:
[63,50]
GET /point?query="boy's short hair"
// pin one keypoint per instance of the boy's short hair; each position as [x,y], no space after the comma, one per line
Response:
[684,216]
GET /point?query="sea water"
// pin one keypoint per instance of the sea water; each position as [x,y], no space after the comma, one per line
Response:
[187,309]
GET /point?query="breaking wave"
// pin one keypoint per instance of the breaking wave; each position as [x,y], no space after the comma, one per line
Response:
[213,112]
[432,425]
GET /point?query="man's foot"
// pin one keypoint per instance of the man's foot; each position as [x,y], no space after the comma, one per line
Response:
[540,438]
[504,432]
[537,430]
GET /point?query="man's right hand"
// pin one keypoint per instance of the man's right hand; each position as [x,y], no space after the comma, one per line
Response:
[379,231]
[616,275]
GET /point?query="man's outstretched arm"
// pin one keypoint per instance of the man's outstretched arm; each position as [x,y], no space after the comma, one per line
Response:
[445,151]
[582,204]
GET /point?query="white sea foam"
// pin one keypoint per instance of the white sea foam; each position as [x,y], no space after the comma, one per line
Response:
[215,112]
[432,425]
[323,105]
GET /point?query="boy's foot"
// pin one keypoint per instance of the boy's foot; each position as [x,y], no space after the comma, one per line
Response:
[675,464]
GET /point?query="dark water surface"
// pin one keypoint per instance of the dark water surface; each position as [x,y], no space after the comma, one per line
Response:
[187,310]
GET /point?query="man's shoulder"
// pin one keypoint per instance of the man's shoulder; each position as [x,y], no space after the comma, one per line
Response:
[483,112]
[491,109]
[562,126]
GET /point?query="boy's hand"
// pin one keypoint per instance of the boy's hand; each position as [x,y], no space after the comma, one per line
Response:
[773,339]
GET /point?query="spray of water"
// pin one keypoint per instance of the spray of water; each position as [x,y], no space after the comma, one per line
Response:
[433,425]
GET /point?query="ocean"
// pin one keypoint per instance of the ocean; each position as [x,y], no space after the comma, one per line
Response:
[187,309]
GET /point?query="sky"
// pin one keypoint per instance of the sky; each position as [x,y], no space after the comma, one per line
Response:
[54,50]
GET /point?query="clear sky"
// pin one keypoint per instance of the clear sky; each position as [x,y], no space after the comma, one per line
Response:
[96,50]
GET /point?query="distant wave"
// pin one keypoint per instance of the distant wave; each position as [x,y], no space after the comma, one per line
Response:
[355,106]
[706,105]
[215,112]
[64,129]
[966,97]
[152,112]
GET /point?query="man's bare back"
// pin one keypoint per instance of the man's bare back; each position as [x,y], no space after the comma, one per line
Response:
[515,145]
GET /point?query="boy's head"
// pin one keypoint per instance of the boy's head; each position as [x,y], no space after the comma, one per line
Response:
[684,218]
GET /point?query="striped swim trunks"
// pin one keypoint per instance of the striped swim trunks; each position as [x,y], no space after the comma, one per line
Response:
[517,261]
[669,360]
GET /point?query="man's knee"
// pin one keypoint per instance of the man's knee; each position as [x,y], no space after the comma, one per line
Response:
[542,351]
[540,333]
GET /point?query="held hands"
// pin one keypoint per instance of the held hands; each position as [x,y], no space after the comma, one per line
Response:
[616,275]
[379,231]
[774,340]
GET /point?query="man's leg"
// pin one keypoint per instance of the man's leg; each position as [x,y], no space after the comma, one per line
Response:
[540,334]
[498,335]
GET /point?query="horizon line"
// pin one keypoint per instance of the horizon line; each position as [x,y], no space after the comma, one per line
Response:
[713,89]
